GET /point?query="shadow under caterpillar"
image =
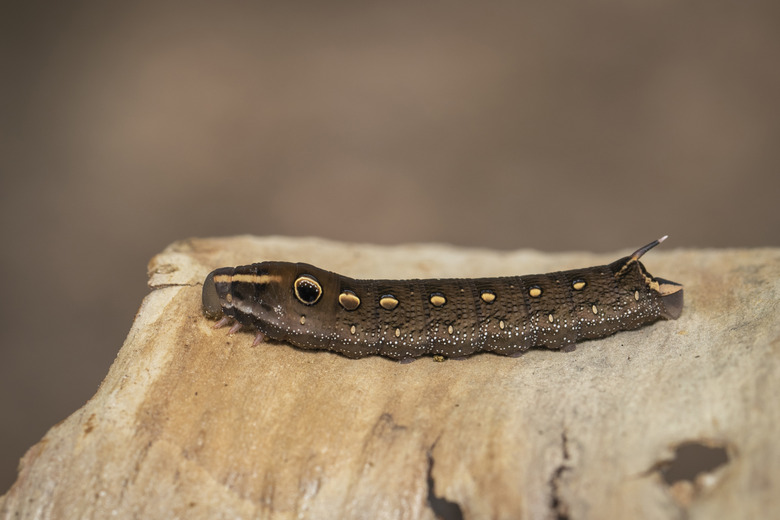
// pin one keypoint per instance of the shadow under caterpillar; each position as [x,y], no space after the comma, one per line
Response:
[311,308]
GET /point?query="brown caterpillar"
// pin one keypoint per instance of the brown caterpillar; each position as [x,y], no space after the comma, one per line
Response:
[400,319]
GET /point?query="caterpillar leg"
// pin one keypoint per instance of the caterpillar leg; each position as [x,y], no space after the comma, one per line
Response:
[224,321]
[235,328]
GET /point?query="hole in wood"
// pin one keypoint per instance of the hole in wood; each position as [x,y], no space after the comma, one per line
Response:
[692,459]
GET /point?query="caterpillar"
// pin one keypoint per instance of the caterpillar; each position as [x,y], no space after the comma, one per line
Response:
[312,308]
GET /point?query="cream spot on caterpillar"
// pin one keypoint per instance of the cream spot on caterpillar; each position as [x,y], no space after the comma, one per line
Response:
[303,320]
[488,296]
[352,329]
[388,302]
[450,329]
[501,324]
[594,309]
[636,295]
[397,333]
[550,318]
[437,300]
[578,285]
[535,292]
[349,300]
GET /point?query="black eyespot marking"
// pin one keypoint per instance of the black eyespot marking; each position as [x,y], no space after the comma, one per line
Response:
[307,289]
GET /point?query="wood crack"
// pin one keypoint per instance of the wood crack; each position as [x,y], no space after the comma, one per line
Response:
[558,505]
[442,508]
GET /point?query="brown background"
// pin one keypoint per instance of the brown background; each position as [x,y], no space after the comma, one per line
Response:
[557,126]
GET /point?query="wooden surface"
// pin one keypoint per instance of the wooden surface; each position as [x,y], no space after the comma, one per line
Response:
[675,420]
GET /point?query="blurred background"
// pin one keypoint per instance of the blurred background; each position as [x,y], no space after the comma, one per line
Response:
[568,125]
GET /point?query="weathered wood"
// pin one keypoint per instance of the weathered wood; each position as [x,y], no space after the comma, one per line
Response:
[190,422]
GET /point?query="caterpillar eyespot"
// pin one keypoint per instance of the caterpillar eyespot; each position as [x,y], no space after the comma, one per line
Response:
[307,289]
[313,308]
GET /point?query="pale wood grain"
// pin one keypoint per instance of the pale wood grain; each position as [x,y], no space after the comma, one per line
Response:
[191,423]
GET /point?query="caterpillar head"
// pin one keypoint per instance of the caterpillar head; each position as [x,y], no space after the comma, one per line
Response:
[249,292]
[280,299]
[214,294]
